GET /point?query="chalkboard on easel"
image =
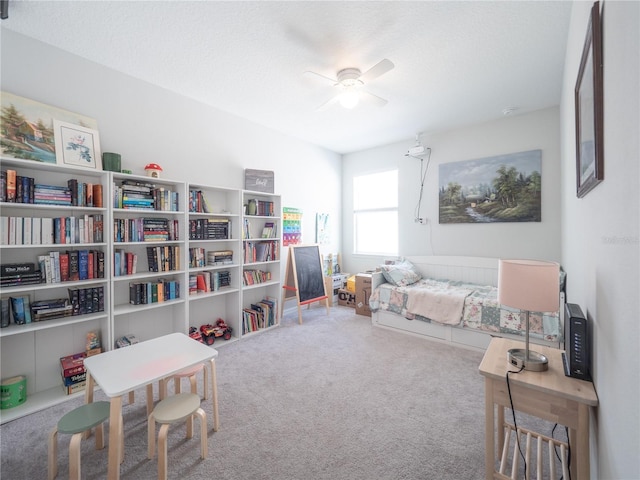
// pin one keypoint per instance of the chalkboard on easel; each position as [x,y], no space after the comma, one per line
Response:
[304,278]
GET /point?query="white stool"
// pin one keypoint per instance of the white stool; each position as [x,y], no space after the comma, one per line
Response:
[174,409]
[189,373]
[76,423]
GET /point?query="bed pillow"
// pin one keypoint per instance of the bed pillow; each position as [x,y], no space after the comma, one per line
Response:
[401,274]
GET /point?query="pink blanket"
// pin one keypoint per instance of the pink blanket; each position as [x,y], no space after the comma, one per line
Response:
[438,302]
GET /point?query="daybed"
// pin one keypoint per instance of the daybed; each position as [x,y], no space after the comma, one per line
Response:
[454,299]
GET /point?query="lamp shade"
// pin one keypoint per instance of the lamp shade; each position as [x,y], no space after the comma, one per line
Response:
[531,285]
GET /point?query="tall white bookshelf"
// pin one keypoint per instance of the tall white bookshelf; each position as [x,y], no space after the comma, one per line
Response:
[215,259]
[150,300]
[262,251]
[34,349]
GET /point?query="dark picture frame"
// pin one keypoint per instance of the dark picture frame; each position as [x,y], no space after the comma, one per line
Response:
[589,109]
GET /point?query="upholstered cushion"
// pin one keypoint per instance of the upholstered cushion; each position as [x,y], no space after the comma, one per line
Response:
[401,274]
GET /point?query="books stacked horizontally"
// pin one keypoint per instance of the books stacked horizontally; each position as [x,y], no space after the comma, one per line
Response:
[50,309]
[73,372]
[220,257]
[16,274]
[132,194]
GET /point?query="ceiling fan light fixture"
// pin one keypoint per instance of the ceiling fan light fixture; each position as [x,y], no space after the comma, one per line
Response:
[349,98]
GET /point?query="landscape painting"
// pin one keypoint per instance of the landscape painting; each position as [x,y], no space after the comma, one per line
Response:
[504,188]
[26,128]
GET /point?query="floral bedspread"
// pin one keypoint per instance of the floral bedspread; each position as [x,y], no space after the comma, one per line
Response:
[481,309]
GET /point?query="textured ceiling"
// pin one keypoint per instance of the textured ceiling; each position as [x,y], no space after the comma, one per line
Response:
[456,63]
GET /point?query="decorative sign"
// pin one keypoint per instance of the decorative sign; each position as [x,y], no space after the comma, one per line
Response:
[259,180]
[291,226]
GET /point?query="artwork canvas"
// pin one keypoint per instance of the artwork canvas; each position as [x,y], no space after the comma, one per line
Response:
[77,146]
[26,128]
[322,228]
[503,188]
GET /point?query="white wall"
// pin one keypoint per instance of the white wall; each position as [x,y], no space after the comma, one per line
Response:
[191,141]
[519,133]
[601,236]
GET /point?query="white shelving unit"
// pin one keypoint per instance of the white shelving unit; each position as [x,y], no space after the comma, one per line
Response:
[208,240]
[34,349]
[153,318]
[262,253]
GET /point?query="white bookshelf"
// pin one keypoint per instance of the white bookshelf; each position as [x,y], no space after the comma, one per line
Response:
[34,349]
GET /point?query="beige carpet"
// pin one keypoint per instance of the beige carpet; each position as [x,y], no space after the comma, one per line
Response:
[333,398]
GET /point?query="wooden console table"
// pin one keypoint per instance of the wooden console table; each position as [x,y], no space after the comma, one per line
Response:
[549,395]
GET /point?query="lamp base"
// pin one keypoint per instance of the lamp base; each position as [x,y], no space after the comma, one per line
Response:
[535,363]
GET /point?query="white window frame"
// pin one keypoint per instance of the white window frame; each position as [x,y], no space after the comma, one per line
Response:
[385,226]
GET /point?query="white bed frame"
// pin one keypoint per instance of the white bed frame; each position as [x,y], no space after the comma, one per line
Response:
[480,270]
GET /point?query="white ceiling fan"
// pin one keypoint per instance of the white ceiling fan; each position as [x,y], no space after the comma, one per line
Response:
[350,83]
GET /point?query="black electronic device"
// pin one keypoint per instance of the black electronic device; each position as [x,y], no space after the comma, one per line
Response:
[577,343]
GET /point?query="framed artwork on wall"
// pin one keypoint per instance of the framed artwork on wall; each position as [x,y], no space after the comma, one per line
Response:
[77,146]
[589,113]
[26,127]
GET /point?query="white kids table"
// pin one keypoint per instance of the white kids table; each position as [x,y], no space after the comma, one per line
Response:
[124,370]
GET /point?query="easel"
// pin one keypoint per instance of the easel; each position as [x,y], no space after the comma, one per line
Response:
[308,291]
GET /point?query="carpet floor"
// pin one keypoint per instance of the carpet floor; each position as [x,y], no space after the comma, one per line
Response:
[333,398]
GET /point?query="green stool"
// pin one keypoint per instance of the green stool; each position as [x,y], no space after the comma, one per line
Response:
[76,423]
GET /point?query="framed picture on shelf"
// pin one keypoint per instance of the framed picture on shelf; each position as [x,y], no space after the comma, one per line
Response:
[77,146]
[589,105]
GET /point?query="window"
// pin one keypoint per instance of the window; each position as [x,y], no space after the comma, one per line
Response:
[375,213]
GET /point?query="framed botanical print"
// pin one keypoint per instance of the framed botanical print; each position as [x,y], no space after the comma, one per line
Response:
[77,146]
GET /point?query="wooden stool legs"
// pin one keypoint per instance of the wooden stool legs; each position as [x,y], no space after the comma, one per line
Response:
[170,410]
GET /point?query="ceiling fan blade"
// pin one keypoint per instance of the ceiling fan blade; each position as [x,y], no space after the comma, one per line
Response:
[314,74]
[329,103]
[373,99]
[378,69]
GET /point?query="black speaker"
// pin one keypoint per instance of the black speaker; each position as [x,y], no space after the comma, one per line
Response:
[577,343]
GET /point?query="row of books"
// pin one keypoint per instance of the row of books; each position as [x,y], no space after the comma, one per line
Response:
[23,310]
[124,263]
[51,231]
[198,202]
[260,315]
[22,189]
[163,258]
[132,194]
[145,229]
[251,277]
[142,293]
[208,281]
[71,265]
[266,251]
[265,208]
[210,229]
[270,230]
[199,257]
